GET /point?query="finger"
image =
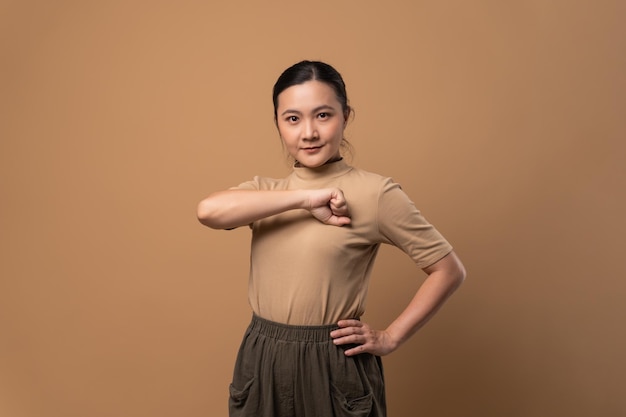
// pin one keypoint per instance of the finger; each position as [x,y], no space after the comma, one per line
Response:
[338,203]
[337,194]
[350,323]
[357,350]
[343,212]
[352,339]
[345,332]
[338,220]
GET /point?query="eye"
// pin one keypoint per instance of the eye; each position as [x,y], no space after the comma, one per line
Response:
[323,115]
[292,119]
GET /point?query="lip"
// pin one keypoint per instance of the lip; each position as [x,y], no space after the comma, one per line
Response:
[312,149]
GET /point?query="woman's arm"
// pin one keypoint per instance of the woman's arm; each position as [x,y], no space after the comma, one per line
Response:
[444,277]
[233,208]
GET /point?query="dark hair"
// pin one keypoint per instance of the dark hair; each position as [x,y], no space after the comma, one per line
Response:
[305,71]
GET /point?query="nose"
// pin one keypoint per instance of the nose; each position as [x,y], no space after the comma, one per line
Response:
[309,130]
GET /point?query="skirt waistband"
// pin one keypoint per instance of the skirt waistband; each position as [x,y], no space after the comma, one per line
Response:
[291,333]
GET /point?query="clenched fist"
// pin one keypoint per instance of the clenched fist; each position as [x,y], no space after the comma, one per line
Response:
[329,206]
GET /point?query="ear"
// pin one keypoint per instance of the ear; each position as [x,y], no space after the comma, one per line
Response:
[346,116]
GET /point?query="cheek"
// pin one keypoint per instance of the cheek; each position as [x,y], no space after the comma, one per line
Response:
[337,130]
[281,131]
[286,135]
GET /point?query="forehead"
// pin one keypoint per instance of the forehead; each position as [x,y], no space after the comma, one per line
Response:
[308,95]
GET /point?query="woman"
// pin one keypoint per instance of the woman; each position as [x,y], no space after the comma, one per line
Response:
[315,235]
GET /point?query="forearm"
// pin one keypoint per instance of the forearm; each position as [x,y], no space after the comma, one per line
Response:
[442,281]
[233,208]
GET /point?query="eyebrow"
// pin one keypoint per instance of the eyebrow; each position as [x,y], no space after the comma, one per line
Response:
[315,110]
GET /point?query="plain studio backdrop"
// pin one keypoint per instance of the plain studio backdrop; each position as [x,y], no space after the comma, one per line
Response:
[504,121]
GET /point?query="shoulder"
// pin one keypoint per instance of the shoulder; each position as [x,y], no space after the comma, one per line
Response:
[368,176]
[375,182]
[383,191]
[370,188]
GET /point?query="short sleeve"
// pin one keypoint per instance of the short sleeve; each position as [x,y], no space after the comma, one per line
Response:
[258,183]
[401,224]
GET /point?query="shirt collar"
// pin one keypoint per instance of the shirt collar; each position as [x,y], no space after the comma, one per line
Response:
[328,170]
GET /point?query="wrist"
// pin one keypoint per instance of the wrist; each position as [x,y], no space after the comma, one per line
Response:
[395,337]
[309,199]
[302,199]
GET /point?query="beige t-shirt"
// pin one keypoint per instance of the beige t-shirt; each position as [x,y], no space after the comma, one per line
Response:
[304,272]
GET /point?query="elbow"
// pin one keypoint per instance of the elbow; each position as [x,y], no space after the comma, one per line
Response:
[458,267]
[207,215]
[461,274]
[455,269]
[218,212]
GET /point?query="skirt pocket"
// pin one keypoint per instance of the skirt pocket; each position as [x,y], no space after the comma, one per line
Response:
[345,405]
[240,398]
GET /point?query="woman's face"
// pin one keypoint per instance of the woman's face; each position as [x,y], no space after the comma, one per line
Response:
[311,122]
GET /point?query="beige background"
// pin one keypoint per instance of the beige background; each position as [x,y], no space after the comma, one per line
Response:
[503,120]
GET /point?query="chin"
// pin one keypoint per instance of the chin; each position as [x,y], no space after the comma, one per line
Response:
[314,161]
[310,165]
[311,162]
